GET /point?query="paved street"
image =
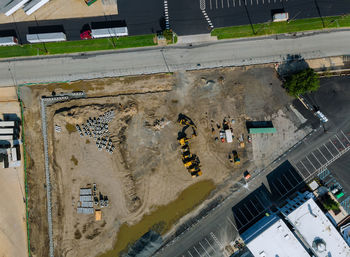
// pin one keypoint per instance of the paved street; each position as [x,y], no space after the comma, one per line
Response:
[188,17]
[171,58]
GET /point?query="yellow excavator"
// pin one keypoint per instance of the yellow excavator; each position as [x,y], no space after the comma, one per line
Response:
[191,162]
[186,122]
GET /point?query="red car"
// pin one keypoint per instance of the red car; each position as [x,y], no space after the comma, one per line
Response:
[86,34]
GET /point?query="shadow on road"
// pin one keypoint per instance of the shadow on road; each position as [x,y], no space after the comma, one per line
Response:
[283,182]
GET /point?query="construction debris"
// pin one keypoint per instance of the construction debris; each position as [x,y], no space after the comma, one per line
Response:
[97,128]
[88,199]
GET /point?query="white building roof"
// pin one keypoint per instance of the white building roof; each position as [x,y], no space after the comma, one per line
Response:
[276,240]
[313,225]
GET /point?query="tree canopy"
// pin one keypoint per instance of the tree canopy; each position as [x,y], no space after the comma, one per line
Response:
[302,82]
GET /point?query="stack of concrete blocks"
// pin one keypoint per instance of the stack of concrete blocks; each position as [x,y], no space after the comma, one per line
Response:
[8,7]
[97,128]
[86,204]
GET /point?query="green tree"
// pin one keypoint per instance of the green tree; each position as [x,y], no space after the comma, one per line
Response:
[302,82]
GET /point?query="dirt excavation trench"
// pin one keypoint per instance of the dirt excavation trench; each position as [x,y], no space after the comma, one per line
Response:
[135,164]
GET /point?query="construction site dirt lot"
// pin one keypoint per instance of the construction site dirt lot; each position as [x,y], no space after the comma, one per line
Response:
[13,232]
[61,9]
[146,170]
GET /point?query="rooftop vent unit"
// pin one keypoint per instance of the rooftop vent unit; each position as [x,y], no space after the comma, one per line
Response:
[319,245]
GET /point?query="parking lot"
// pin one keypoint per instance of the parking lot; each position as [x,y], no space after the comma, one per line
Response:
[324,155]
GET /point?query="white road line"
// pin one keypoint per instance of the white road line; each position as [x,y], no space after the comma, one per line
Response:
[262,205]
[328,150]
[276,187]
[322,154]
[257,1]
[299,172]
[249,210]
[217,4]
[211,5]
[229,220]
[254,205]
[305,167]
[240,222]
[190,253]
[251,2]
[216,240]
[239,2]
[234,3]
[269,1]
[282,184]
[334,145]
[228,3]
[204,249]
[263,1]
[209,244]
[197,251]
[310,162]
[340,141]
[244,216]
[316,158]
[222,3]
[345,136]
[287,180]
[245,2]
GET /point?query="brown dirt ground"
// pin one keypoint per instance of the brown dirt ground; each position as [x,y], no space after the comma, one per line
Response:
[146,170]
[13,232]
[62,9]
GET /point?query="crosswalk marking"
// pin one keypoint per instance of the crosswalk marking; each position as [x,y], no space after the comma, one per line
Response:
[222,4]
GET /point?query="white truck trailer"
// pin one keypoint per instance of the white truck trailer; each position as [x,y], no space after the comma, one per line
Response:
[8,41]
[109,32]
[46,37]
[34,5]
[6,131]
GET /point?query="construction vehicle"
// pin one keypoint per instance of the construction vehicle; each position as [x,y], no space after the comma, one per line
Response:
[183,140]
[191,162]
[236,158]
[187,122]
[246,175]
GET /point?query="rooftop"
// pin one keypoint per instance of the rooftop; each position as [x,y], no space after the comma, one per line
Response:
[317,231]
[272,237]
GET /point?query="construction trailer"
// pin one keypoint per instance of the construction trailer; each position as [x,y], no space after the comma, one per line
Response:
[8,41]
[261,130]
[6,137]
[6,131]
[46,37]
[13,6]
[6,123]
[34,5]
[228,134]
[109,32]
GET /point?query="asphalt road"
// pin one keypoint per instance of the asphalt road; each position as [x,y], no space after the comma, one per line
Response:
[186,17]
[172,58]
[192,243]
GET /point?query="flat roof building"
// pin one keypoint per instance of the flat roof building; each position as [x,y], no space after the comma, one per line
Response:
[317,230]
[271,237]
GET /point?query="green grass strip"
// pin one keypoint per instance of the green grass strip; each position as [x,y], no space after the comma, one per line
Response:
[270,28]
[76,46]
[25,172]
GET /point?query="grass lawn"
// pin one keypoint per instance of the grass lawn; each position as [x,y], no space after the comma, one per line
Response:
[281,27]
[76,46]
[163,217]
